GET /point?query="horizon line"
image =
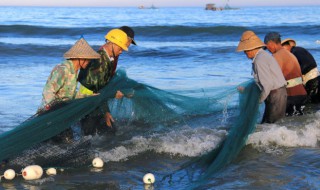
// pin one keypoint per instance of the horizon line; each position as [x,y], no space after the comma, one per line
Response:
[146,7]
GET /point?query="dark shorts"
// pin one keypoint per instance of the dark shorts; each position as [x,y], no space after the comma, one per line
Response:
[312,88]
[295,105]
[275,105]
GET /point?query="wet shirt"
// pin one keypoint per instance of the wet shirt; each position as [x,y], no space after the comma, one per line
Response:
[305,59]
[61,84]
[291,69]
[267,73]
[98,73]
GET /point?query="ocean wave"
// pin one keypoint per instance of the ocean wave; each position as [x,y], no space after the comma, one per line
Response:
[274,135]
[165,31]
[143,44]
[184,142]
[54,47]
[155,31]
[32,50]
[182,31]
[58,32]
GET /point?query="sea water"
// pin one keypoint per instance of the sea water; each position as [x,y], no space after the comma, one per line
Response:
[177,49]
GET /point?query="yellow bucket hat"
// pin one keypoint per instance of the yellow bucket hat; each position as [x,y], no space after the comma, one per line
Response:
[81,50]
[249,41]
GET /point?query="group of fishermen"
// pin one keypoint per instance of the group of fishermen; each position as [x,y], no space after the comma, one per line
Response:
[288,79]
[93,70]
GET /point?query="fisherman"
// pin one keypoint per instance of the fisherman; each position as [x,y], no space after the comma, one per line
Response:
[62,82]
[308,65]
[130,33]
[289,65]
[99,73]
[267,75]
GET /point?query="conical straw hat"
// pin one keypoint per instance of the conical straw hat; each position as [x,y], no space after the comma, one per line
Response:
[249,41]
[292,42]
[81,50]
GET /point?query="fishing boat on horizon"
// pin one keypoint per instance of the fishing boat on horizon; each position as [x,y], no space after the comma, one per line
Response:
[151,7]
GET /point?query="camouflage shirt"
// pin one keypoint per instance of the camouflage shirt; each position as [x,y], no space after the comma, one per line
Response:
[61,84]
[98,73]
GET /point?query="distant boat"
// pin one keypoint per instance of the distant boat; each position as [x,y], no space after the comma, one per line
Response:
[153,7]
[143,7]
[227,7]
[212,7]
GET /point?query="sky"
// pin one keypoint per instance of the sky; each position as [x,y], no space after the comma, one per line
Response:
[158,3]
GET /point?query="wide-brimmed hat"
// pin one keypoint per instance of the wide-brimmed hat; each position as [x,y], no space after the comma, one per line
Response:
[81,50]
[292,42]
[130,33]
[249,41]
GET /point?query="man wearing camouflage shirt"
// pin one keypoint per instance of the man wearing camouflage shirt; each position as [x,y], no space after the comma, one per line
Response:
[62,82]
[98,74]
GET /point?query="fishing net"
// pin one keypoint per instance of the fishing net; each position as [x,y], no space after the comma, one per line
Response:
[143,104]
[236,139]
[73,154]
[241,127]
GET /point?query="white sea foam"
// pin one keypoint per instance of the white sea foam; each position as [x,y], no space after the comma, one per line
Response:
[285,136]
[183,142]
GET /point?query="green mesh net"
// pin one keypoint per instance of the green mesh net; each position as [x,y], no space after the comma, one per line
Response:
[148,106]
[243,124]
[236,139]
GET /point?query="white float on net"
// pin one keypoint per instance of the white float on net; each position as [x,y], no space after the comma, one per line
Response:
[51,171]
[148,178]
[9,174]
[32,172]
[97,162]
